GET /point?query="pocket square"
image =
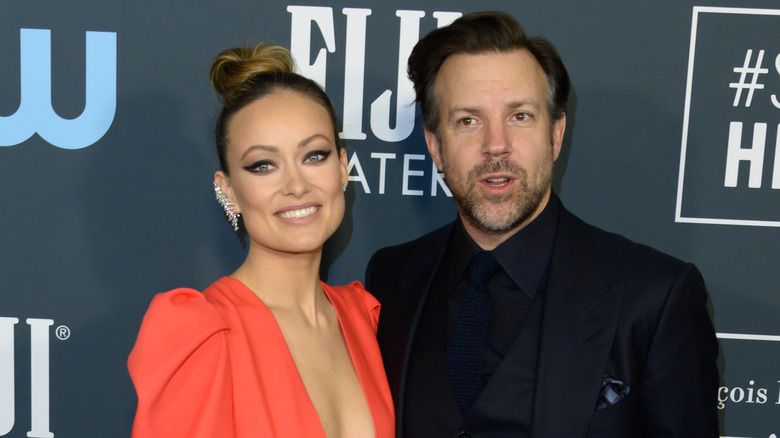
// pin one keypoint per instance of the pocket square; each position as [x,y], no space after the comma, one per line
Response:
[612,391]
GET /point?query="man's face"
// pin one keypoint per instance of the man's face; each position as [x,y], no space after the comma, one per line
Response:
[495,143]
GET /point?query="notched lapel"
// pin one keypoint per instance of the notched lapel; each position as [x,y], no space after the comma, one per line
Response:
[602,315]
[580,318]
[573,356]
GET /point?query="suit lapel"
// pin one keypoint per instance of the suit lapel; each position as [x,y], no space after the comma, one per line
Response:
[578,326]
[424,265]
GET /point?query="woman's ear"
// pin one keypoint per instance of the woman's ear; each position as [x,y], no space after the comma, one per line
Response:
[222,181]
[344,164]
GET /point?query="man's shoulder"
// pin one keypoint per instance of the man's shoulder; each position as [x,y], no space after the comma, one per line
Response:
[427,244]
[396,264]
[620,256]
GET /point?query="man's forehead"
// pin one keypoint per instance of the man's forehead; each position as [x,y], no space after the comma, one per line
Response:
[483,61]
[514,77]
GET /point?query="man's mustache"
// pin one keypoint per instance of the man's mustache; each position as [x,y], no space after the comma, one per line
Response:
[496,166]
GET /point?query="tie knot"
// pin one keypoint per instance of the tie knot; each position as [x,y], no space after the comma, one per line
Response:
[483,266]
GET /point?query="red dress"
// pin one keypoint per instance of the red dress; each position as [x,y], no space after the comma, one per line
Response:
[215,364]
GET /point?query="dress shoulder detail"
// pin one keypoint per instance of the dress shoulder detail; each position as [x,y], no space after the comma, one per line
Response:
[179,362]
[358,296]
[179,317]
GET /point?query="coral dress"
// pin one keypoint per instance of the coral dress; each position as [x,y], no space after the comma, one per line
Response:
[215,364]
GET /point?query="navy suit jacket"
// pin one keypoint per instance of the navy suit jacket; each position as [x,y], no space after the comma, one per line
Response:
[612,308]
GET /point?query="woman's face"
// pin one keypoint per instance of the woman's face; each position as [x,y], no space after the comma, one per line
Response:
[286,175]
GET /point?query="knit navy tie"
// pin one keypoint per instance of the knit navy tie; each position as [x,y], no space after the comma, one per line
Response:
[464,351]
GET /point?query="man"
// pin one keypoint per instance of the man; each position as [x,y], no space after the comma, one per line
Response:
[518,319]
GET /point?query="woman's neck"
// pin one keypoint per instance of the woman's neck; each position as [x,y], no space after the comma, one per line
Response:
[284,281]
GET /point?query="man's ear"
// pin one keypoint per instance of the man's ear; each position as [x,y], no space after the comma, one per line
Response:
[434,148]
[223,181]
[559,127]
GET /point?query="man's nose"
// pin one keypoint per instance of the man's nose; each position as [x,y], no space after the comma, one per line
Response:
[496,141]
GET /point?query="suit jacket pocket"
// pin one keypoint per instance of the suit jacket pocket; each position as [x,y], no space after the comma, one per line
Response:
[618,420]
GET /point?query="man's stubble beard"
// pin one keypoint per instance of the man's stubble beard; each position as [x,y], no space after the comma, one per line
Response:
[499,214]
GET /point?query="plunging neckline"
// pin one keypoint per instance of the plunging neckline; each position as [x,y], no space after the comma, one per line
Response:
[351,348]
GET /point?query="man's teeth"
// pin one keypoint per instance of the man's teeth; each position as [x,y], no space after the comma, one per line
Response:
[297,214]
[497,181]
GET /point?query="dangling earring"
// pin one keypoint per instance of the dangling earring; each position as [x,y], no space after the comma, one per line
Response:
[343,187]
[230,209]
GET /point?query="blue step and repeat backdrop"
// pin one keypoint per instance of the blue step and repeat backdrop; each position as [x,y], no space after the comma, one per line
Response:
[106,160]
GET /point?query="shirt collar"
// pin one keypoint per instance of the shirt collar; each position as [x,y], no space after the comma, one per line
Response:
[524,256]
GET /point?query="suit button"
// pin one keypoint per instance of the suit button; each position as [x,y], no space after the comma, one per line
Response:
[464,434]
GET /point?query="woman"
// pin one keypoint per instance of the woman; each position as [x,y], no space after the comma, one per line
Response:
[269,351]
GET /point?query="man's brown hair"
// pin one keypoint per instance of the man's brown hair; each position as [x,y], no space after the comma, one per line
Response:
[481,32]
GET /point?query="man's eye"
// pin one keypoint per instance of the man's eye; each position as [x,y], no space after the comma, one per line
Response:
[467,121]
[521,116]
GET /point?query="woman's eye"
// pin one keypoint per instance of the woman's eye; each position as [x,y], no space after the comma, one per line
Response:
[260,167]
[316,156]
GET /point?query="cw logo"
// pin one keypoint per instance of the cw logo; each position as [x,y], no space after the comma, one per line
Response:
[35,113]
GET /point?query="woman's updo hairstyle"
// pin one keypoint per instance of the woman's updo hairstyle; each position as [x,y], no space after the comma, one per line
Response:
[242,75]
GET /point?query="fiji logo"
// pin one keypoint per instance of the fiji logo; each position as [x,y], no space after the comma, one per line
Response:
[39,374]
[35,113]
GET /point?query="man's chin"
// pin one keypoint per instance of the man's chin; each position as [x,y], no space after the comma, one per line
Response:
[501,217]
[497,224]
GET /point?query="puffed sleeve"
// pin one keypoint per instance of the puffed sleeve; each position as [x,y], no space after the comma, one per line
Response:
[180,369]
[370,303]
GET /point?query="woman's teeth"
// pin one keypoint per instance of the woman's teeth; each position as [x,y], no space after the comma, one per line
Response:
[297,214]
